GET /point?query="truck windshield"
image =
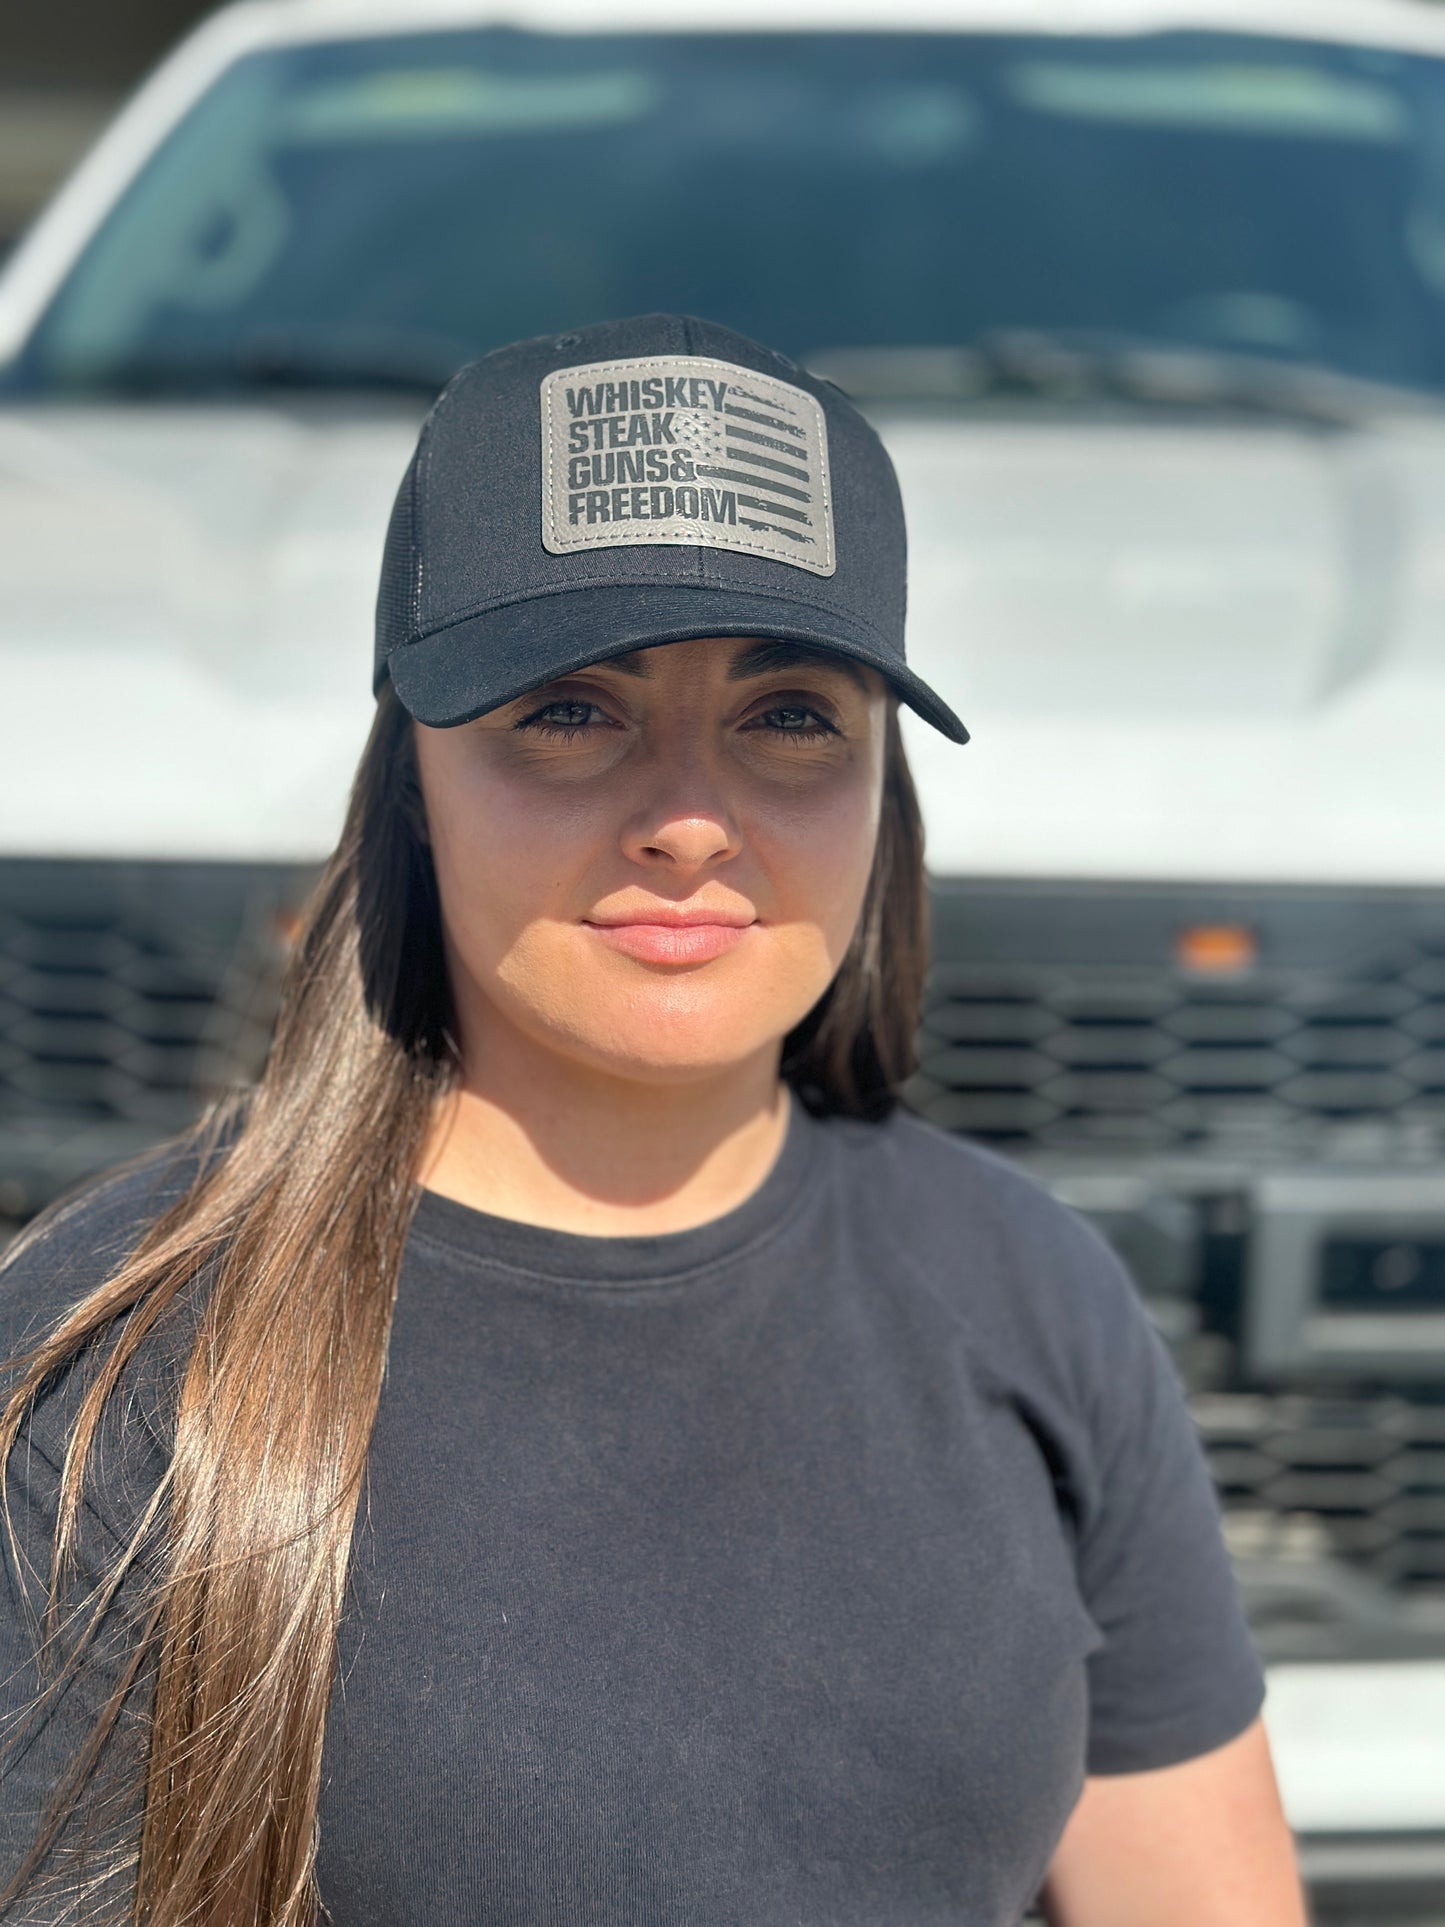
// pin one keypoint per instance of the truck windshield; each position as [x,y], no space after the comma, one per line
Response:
[374,211]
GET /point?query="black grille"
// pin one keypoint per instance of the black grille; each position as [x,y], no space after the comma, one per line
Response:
[1359,1479]
[128,993]
[1081,1041]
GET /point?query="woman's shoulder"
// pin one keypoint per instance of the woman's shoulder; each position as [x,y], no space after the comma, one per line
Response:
[73,1248]
[1032,1277]
[83,1236]
[952,1185]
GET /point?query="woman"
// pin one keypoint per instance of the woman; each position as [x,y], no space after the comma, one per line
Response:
[567,1447]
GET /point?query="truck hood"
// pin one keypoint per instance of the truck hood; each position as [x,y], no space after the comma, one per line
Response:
[1189,651]
[186,606]
[1184,651]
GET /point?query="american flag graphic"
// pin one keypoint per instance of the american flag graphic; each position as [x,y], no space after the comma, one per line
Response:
[761,445]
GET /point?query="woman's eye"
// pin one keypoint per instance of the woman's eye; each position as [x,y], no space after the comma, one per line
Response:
[565,718]
[796,720]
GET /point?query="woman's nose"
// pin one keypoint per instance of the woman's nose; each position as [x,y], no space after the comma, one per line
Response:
[687,841]
[687,821]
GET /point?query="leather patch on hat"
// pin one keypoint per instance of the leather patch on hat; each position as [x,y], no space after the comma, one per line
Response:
[683,448]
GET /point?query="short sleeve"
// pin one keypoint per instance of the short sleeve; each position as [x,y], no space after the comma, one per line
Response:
[1178,1673]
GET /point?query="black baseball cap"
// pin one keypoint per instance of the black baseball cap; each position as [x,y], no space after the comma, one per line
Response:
[576,496]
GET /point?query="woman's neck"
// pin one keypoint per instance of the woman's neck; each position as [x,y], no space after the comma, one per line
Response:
[561,1145]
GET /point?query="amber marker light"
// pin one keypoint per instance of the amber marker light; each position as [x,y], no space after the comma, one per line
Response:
[1216,949]
[286,927]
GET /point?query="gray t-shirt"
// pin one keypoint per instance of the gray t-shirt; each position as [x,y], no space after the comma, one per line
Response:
[792,1569]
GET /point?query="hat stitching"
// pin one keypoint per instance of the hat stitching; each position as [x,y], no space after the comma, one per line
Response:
[418,556]
[418,495]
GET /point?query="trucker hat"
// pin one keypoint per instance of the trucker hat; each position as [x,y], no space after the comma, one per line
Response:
[645,480]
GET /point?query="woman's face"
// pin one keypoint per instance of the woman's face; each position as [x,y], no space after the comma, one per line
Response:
[654,867]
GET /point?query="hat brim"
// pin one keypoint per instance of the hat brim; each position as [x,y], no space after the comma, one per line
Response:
[460,672]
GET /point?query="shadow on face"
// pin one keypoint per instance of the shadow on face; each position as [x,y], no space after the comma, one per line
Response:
[653,866]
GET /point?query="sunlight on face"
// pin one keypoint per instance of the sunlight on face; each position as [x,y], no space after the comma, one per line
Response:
[730,786]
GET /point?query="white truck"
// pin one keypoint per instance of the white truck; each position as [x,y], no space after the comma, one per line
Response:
[1147,298]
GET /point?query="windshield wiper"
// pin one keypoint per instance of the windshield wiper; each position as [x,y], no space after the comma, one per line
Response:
[416,366]
[1082,365]
[279,361]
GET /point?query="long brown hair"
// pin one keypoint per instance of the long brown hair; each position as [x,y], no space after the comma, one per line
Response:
[295,1221]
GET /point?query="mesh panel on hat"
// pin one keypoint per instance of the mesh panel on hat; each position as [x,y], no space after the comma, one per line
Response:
[399,593]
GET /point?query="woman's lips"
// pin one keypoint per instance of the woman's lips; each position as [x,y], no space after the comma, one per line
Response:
[674,943]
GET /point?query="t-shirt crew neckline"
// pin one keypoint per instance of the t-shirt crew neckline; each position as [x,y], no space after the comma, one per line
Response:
[632,1258]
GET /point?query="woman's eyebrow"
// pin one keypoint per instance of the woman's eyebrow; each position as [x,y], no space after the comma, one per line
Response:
[762,658]
[632,663]
[765,657]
